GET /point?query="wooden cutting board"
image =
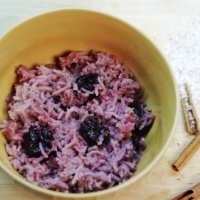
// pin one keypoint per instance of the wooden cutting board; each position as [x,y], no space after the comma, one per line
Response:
[149,16]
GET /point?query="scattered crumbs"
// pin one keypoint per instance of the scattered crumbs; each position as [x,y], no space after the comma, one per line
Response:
[182,50]
[183,53]
[180,177]
[183,92]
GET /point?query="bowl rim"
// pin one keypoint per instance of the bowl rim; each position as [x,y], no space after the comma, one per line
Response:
[130,181]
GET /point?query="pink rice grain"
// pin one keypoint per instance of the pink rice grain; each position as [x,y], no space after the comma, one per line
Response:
[75,167]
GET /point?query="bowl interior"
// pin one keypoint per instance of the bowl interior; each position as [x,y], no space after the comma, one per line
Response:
[39,40]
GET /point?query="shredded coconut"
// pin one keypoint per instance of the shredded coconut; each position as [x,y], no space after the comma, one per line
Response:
[182,50]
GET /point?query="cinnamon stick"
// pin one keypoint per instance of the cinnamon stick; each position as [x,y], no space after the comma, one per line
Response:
[192,128]
[189,111]
[192,193]
[187,152]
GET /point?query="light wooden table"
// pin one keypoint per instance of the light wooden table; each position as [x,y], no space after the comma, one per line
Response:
[152,17]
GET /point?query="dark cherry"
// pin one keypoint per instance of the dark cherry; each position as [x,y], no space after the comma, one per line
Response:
[87,81]
[137,108]
[31,143]
[46,136]
[94,130]
[34,151]
[135,140]
[34,137]
[56,99]
[64,108]
[138,142]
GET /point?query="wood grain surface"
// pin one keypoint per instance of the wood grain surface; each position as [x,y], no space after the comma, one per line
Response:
[155,18]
